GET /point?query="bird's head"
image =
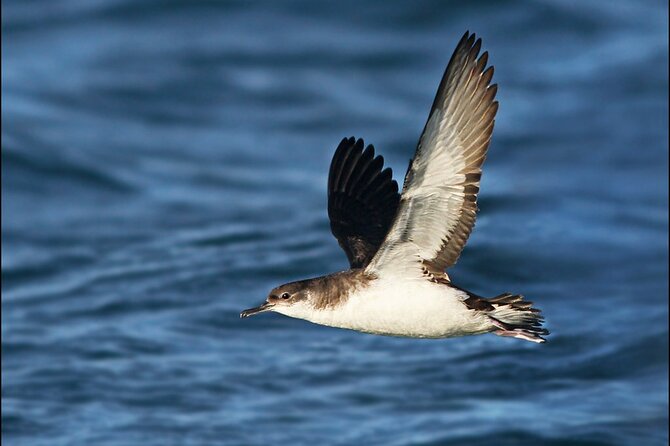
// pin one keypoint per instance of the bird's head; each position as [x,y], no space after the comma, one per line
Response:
[291,299]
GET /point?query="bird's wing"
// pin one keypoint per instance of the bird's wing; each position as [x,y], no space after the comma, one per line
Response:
[439,198]
[362,200]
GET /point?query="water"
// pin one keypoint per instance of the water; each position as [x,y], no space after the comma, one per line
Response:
[164,165]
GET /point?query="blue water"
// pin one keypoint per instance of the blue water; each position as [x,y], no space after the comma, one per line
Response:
[164,165]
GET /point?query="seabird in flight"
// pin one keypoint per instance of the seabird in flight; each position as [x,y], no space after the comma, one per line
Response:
[399,245]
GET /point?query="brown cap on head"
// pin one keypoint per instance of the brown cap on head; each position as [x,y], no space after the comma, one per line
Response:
[284,295]
[315,294]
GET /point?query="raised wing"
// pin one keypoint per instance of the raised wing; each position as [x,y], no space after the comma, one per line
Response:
[439,199]
[362,200]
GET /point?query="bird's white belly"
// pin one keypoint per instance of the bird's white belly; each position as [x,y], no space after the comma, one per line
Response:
[420,310]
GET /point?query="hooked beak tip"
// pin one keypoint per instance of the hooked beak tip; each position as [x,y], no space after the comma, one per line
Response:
[260,309]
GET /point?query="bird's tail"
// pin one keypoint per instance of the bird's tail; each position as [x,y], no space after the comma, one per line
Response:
[514,317]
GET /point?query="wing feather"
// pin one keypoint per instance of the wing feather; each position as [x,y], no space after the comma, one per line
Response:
[438,205]
[362,200]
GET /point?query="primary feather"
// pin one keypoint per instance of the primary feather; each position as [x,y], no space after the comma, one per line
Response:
[362,200]
[438,204]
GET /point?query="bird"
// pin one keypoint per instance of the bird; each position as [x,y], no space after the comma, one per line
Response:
[400,244]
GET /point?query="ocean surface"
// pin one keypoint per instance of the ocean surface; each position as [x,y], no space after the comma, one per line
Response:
[164,166]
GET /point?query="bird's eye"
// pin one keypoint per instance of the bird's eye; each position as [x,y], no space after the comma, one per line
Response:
[285,296]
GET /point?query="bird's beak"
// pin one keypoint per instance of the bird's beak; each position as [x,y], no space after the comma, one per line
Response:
[267,306]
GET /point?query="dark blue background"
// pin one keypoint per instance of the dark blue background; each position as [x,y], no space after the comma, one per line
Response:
[164,165]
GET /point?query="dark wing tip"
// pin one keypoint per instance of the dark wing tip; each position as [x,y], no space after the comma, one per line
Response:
[476,47]
[483,59]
